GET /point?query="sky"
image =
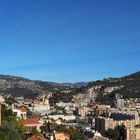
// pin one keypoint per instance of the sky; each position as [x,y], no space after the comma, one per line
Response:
[69,40]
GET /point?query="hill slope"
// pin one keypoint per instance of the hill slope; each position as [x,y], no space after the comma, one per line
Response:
[18,86]
[107,89]
[101,90]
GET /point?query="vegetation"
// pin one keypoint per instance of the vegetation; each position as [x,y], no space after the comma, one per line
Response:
[11,129]
[117,133]
[35,132]
[82,122]
[28,88]
[75,134]
[21,86]
[129,87]
[9,100]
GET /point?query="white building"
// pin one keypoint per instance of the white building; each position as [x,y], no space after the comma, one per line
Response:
[20,113]
[43,109]
[120,103]
[64,117]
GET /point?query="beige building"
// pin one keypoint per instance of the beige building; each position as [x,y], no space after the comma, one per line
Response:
[127,123]
[61,136]
[132,134]
[83,111]
[103,124]
[58,121]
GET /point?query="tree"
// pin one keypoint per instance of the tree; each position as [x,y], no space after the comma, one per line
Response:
[11,129]
[35,132]
[110,133]
[117,133]
[74,133]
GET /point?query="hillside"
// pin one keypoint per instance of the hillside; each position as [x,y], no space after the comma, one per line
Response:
[78,84]
[106,89]
[18,86]
[101,90]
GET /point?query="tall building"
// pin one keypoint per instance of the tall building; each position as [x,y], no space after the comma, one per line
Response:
[120,103]
[100,125]
[103,124]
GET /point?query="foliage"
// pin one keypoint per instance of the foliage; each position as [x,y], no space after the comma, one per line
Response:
[74,133]
[117,133]
[83,122]
[10,100]
[110,133]
[35,132]
[11,129]
[35,115]
[59,108]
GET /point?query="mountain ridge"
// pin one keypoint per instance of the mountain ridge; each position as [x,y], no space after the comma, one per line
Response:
[128,86]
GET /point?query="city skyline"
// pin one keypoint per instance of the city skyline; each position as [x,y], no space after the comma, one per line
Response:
[69,41]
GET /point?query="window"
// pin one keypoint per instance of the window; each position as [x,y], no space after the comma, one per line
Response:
[15,113]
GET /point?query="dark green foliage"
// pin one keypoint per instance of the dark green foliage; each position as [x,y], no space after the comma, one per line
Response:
[10,100]
[10,132]
[110,133]
[46,128]
[6,113]
[82,122]
[74,133]
[35,132]
[16,91]
[11,129]
[117,133]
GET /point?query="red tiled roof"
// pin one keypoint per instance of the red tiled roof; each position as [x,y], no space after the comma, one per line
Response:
[36,138]
[22,109]
[28,101]
[29,121]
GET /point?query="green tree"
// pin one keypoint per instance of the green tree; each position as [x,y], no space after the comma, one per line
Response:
[11,129]
[35,132]
[74,133]
[110,133]
[117,133]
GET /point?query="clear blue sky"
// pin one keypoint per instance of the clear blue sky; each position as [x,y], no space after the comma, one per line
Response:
[69,40]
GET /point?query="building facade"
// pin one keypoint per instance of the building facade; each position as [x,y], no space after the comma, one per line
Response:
[132,134]
[103,124]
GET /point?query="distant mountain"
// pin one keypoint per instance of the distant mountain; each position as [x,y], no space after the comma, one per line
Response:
[102,90]
[18,86]
[107,89]
[78,84]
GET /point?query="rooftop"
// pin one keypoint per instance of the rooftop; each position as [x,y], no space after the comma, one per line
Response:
[36,138]
[29,121]
[22,109]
